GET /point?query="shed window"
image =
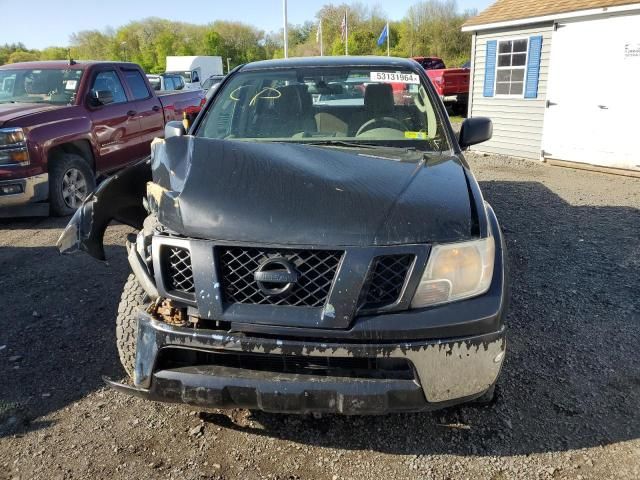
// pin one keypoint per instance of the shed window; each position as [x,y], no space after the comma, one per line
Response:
[511,66]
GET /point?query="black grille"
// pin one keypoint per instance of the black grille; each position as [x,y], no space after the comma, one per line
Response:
[386,279]
[316,269]
[178,273]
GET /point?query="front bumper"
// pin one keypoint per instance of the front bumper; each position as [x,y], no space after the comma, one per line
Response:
[446,372]
[32,191]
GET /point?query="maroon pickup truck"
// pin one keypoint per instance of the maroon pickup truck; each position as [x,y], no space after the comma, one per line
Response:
[65,124]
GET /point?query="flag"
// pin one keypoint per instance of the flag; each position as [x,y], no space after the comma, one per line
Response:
[383,35]
[343,27]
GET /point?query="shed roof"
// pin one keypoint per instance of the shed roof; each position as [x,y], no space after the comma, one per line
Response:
[507,10]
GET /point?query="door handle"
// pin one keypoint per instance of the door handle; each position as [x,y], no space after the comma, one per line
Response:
[131,113]
[156,108]
[603,107]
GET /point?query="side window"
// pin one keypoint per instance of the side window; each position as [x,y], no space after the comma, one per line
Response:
[136,84]
[168,83]
[195,77]
[109,81]
[180,83]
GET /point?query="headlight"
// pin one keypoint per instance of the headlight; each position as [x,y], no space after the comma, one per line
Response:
[13,147]
[456,271]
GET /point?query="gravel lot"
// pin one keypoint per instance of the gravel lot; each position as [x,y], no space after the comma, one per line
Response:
[568,398]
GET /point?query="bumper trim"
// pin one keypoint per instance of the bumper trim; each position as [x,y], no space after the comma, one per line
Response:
[225,387]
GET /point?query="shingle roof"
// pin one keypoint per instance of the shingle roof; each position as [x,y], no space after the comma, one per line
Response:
[505,10]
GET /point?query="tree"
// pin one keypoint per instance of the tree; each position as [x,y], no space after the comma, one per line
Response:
[8,48]
[54,53]
[431,27]
[20,56]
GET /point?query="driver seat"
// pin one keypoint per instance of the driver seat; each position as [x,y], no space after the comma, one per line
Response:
[378,100]
[378,103]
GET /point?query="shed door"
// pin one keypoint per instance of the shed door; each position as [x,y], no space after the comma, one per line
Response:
[593,93]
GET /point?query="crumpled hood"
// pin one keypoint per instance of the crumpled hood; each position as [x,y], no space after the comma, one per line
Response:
[294,194]
[12,111]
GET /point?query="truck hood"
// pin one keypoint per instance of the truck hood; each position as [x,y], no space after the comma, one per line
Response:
[279,194]
[12,111]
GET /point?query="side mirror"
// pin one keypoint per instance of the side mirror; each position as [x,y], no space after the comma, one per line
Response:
[475,130]
[101,97]
[174,129]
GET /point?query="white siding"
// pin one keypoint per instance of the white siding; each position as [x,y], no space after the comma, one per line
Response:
[517,122]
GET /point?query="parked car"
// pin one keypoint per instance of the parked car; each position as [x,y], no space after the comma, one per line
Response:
[194,69]
[64,124]
[295,256]
[211,82]
[452,84]
[165,82]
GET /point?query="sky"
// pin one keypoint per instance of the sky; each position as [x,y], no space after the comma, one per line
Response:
[49,23]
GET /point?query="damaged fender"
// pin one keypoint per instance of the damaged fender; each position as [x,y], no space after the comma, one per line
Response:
[119,198]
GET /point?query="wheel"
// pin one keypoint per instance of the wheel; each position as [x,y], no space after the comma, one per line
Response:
[133,299]
[70,181]
[460,109]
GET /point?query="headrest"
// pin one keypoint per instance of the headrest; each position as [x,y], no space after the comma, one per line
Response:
[293,100]
[378,98]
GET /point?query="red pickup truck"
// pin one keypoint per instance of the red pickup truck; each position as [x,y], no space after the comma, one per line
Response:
[65,124]
[452,84]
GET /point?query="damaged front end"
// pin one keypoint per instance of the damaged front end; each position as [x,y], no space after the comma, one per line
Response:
[222,224]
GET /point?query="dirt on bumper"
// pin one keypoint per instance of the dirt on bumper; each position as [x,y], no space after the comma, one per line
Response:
[446,373]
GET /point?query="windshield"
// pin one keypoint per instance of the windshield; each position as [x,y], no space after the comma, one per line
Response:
[53,86]
[185,75]
[345,106]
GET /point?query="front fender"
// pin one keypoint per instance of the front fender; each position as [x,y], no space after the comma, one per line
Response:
[118,198]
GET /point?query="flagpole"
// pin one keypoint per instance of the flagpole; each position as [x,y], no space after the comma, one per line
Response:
[388,41]
[346,32]
[321,40]
[286,29]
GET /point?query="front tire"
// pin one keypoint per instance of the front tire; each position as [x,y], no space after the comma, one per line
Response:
[71,180]
[133,299]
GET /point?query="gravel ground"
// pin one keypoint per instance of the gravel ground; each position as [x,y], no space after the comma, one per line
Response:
[568,397]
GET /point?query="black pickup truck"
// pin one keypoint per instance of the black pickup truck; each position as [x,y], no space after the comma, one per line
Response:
[305,255]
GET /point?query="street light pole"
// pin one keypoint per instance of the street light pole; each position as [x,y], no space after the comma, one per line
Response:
[286,29]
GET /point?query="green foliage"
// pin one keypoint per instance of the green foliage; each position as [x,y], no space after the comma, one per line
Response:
[20,56]
[430,28]
[54,53]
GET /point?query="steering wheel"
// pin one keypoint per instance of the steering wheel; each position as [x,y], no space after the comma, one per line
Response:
[379,123]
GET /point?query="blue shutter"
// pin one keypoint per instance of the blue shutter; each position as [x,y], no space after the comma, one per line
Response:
[490,68]
[533,67]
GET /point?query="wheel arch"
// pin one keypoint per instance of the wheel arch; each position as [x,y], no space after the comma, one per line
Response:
[82,148]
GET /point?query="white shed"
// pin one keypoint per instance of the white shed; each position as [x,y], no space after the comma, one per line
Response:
[560,79]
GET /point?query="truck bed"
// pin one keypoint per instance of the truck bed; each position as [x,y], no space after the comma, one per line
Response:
[175,103]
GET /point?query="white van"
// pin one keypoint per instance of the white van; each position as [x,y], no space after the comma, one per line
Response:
[194,70]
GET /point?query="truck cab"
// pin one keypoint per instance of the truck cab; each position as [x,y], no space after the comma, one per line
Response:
[64,125]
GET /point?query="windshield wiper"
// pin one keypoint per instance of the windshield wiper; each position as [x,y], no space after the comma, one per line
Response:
[338,143]
[345,144]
